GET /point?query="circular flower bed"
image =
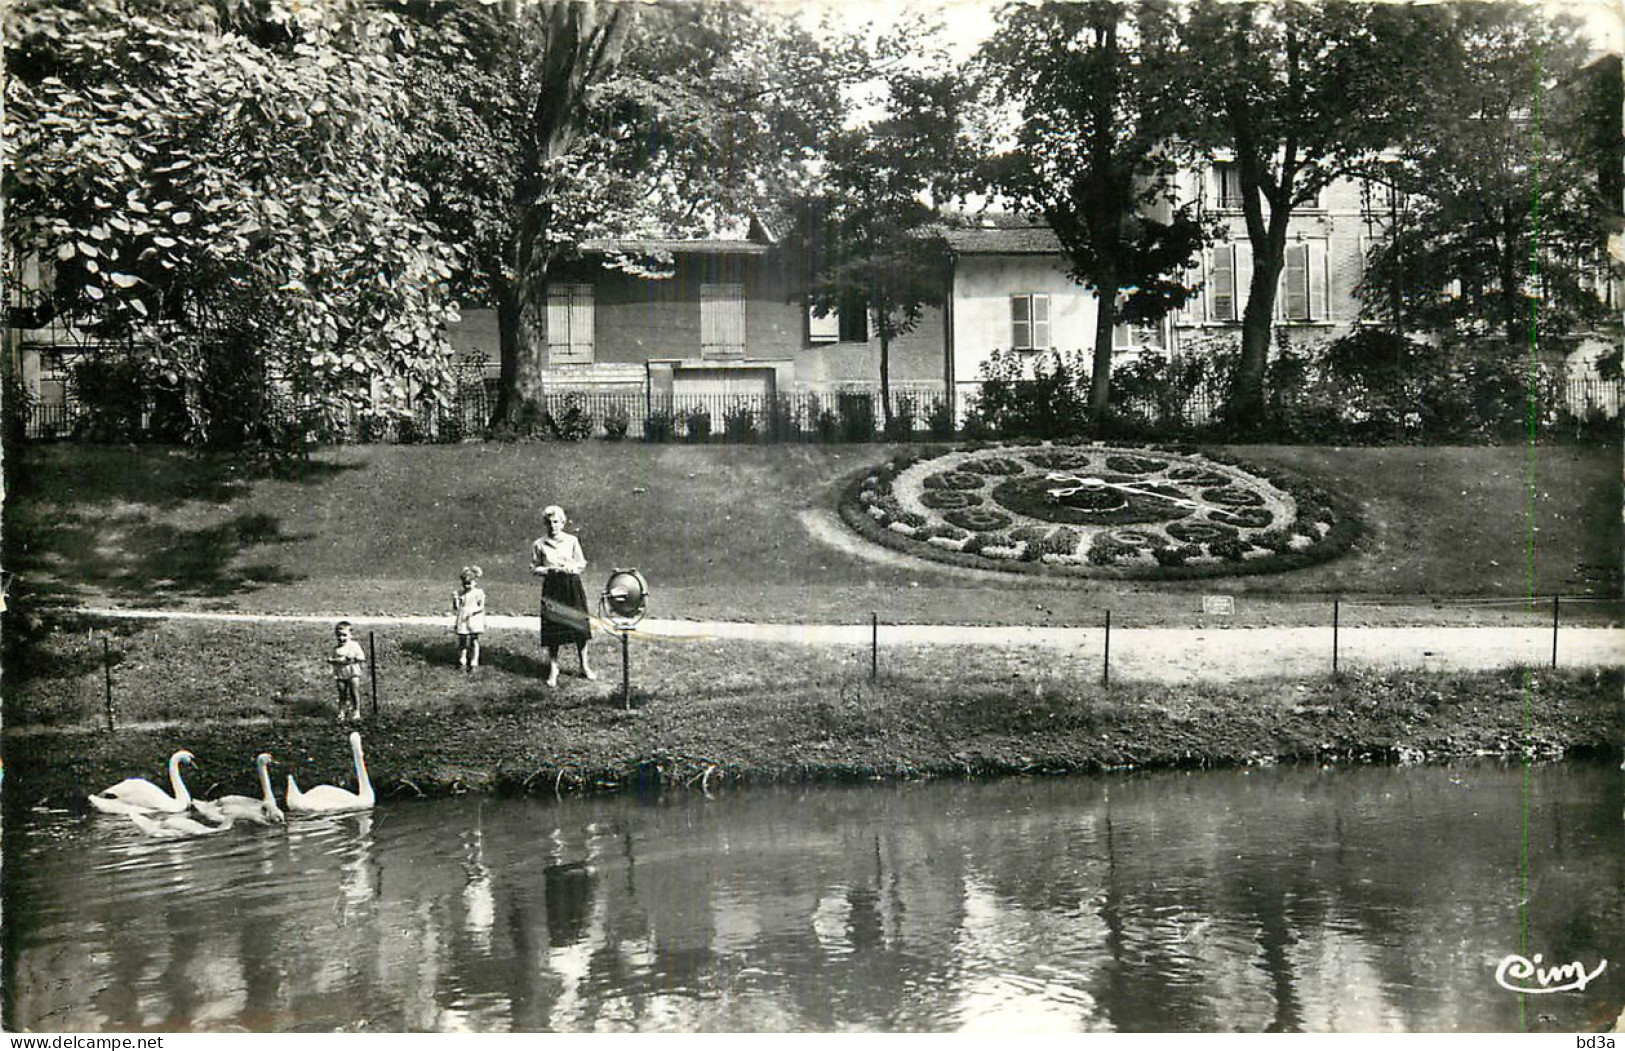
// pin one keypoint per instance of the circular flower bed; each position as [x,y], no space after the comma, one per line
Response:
[1063,509]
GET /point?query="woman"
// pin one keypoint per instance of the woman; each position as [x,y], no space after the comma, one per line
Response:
[556,557]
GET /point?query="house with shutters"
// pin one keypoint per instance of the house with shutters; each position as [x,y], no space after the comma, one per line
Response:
[705,318]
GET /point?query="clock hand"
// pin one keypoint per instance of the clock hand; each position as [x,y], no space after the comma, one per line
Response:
[1101,483]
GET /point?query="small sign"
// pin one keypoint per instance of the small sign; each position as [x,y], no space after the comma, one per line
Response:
[1219,605]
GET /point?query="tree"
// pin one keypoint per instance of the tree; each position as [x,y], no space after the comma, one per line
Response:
[1095,154]
[1501,202]
[538,125]
[1299,94]
[871,238]
[222,197]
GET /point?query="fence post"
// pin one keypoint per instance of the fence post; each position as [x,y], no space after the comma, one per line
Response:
[626,671]
[107,677]
[1556,603]
[874,644]
[1335,603]
[372,668]
[1106,664]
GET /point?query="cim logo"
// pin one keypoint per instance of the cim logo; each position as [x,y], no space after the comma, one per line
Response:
[1515,972]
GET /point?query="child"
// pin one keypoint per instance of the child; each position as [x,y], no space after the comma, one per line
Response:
[347,659]
[468,618]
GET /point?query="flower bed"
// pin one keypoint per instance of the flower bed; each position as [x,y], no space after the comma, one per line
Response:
[1096,511]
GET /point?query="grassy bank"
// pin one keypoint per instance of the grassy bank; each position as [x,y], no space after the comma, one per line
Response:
[721,533]
[710,712]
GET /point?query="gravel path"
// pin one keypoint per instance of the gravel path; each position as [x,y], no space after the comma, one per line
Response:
[1174,655]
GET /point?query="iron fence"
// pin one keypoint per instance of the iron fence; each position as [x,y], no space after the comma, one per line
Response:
[845,413]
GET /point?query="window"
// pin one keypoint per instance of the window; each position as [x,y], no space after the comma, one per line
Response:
[846,323]
[1227,180]
[722,321]
[826,329]
[854,321]
[1221,284]
[1137,337]
[1029,321]
[569,324]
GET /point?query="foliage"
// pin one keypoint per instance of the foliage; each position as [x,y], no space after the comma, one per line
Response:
[1048,405]
[617,421]
[1299,94]
[697,423]
[1094,154]
[739,422]
[869,237]
[537,126]
[226,198]
[659,426]
[1495,211]
[571,421]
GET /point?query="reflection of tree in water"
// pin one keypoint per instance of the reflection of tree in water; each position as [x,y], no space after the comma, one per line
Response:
[569,900]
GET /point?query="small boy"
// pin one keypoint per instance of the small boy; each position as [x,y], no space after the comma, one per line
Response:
[347,659]
[468,618]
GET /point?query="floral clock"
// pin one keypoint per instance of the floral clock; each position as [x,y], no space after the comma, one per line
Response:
[1097,510]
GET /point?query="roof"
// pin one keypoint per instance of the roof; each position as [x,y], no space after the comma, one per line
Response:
[1025,240]
[674,247]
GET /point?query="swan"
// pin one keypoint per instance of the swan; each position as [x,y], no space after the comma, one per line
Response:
[326,799]
[261,811]
[138,794]
[174,826]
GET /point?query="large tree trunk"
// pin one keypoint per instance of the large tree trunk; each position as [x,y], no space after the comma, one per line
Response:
[1245,410]
[523,354]
[885,382]
[584,43]
[1100,379]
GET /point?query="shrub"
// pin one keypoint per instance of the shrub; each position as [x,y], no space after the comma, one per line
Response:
[659,426]
[697,422]
[904,412]
[617,421]
[857,409]
[829,426]
[1229,548]
[739,423]
[408,431]
[1177,555]
[939,419]
[570,422]
[782,424]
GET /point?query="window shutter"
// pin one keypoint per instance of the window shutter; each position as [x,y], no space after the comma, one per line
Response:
[569,324]
[581,330]
[558,319]
[1319,280]
[1021,326]
[1221,283]
[722,321]
[1296,277]
[1041,339]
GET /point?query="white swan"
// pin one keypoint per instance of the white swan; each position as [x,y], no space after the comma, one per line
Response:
[261,811]
[137,794]
[326,799]
[174,826]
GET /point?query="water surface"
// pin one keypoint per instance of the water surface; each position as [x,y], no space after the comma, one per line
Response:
[1284,898]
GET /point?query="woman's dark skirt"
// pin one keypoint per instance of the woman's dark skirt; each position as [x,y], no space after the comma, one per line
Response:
[566,590]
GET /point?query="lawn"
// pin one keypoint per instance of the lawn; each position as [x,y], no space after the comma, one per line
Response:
[720,532]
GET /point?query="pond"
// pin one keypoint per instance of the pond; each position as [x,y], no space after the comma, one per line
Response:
[1289,898]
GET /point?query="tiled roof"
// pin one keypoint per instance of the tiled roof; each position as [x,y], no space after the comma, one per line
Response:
[675,247]
[1025,240]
